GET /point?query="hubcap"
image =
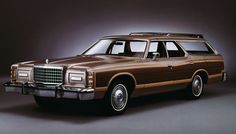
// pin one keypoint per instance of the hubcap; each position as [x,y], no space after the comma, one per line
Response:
[119,97]
[197,86]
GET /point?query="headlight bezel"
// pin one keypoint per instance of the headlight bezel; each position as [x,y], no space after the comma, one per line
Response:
[87,78]
[76,74]
[23,75]
[76,78]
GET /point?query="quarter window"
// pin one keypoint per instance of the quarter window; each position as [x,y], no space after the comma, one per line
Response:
[196,47]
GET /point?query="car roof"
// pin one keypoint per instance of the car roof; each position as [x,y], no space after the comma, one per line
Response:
[157,36]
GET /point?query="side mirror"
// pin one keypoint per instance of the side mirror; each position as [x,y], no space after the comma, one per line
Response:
[155,55]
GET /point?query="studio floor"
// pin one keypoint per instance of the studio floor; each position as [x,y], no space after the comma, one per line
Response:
[213,113]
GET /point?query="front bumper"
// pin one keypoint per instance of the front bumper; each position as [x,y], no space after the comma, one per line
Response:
[52,92]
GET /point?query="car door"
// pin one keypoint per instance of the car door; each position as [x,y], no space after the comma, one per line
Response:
[158,73]
[179,63]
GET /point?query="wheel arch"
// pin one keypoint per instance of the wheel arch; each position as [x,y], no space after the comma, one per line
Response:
[124,76]
[203,73]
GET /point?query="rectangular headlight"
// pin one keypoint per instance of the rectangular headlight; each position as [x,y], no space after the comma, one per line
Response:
[23,75]
[76,77]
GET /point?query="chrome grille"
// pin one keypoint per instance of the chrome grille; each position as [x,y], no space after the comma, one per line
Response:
[48,75]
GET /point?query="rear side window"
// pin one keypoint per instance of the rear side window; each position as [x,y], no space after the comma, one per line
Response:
[157,47]
[196,47]
[174,50]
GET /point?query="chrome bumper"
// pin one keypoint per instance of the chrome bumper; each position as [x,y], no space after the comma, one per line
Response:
[53,92]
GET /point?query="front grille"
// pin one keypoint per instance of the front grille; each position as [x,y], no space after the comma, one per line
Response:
[48,75]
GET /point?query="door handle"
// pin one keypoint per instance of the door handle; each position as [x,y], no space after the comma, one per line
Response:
[170,66]
[191,63]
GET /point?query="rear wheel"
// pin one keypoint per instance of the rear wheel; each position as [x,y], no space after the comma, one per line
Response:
[195,89]
[117,97]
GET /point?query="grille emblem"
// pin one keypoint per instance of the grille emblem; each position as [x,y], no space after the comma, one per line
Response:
[47,61]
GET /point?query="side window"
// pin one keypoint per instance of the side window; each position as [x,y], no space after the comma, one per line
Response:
[118,47]
[137,46]
[156,47]
[174,50]
[197,47]
[153,47]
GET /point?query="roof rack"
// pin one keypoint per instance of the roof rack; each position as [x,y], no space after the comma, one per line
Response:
[168,34]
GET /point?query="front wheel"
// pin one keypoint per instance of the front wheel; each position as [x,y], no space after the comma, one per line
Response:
[117,97]
[195,89]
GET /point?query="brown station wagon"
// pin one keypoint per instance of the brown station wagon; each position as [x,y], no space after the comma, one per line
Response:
[117,68]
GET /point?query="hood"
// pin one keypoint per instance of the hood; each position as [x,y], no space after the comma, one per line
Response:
[84,61]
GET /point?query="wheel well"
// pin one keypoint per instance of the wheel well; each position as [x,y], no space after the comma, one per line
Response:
[127,79]
[204,76]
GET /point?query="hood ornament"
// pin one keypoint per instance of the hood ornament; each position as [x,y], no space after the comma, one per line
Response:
[47,61]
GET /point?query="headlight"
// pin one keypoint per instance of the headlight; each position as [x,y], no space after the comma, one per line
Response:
[76,78]
[23,75]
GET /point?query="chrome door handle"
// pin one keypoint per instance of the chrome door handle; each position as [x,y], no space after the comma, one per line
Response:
[170,66]
[191,63]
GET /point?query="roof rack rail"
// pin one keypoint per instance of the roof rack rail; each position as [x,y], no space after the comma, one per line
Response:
[168,34]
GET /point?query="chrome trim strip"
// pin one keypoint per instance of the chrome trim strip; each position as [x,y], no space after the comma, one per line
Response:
[48,67]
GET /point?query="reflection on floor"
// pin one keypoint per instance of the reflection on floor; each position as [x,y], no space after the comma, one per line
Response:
[162,113]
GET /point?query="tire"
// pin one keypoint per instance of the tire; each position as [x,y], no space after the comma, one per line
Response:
[44,102]
[116,99]
[195,89]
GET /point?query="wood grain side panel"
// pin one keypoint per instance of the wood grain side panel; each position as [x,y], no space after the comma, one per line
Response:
[142,75]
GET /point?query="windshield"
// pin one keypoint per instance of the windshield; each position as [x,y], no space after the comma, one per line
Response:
[130,48]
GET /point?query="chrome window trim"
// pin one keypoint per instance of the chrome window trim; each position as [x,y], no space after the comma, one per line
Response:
[212,48]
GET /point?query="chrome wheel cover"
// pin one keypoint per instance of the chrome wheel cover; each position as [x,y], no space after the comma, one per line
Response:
[119,97]
[197,86]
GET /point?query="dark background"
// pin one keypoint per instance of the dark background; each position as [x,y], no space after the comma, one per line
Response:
[38,29]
